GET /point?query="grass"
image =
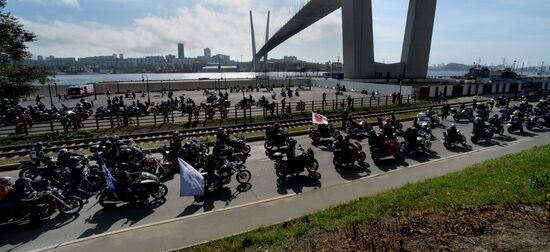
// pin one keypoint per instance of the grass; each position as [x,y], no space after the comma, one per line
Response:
[517,178]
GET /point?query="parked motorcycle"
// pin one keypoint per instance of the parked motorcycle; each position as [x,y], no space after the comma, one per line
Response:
[422,144]
[390,147]
[485,135]
[41,206]
[450,143]
[239,145]
[358,130]
[466,114]
[302,162]
[515,125]
[349,156]
[224,174]
[145,186]
[534,122]
[319,136]
[278,142]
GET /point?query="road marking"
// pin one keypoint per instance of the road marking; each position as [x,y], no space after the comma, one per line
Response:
[164,222]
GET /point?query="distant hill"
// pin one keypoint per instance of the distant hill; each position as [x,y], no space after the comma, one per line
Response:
[451,67]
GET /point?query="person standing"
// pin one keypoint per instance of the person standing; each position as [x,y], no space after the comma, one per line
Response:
[445,111]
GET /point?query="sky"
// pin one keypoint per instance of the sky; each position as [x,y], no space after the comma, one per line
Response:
[465,31]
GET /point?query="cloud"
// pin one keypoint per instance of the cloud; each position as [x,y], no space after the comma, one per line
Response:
[70,3]
[222,26]
[73,3]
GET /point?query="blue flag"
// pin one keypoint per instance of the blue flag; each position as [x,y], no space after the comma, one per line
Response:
[108,177]
[191,181]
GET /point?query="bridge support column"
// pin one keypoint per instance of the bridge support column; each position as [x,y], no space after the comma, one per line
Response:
[418,38]
[358,39]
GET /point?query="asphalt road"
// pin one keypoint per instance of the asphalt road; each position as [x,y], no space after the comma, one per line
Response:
[93,220]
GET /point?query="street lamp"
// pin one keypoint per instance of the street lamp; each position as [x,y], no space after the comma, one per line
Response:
[50,90]
[55,84]
[148,91]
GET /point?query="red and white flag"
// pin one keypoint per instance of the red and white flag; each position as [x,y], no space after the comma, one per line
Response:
[318,118]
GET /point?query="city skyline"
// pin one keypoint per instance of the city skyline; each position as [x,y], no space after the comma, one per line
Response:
[464,31]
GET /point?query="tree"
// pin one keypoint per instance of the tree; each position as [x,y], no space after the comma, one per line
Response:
[16,78]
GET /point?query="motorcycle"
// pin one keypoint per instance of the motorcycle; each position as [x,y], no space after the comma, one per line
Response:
[318,137]
[358,130]
[534,121]
[239,145]
[42,206]
[303,162]
[450,143]
[390,147]
[145,186]
[272,141]
[91,181]
[347,157]
[423,144]
[515,125]
[486,135]
[465,114]
[223,176]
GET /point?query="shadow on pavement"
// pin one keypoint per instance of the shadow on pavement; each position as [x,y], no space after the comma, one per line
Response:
[21,234]
[297,184]
[354,172]
[422,157]
[132,213]
[390,163]
[222,195]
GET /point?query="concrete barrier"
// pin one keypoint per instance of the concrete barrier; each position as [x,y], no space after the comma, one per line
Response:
[177,85]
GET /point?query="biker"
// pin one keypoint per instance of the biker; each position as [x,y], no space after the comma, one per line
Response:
[452,133]
[175,143]
[277,133]
[63,157]
[410,135]
[324,130]
[388,129]
[479,127]
[495,120]
[291,150]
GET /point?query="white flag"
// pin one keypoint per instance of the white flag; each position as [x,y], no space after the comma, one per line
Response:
[191,181]
[318,118]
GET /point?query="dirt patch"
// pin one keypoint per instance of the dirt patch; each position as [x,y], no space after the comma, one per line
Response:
[483,228]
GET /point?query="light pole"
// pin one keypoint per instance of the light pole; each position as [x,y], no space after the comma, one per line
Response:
[148,91]
[55,84]
[50,90]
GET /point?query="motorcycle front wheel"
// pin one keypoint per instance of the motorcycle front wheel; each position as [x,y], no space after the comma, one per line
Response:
[243,176]
[361,157]
[268,145]
[72,205]
[246,149]
[102,199]
[313,166]
[159,192]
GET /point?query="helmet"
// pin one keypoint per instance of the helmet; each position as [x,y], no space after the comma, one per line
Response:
[5,181]
[220,130]
[276,126]
[495,116]
[176,133]
[453,125]
[63,152]
[38,145]
[23,182]
[292,142]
